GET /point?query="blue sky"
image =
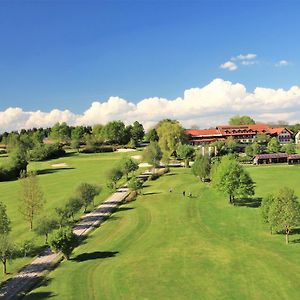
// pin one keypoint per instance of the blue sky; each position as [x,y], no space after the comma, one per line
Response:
[66,54]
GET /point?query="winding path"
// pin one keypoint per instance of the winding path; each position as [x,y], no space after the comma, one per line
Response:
[31,274]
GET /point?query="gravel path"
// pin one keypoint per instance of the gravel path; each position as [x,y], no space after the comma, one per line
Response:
[31,274]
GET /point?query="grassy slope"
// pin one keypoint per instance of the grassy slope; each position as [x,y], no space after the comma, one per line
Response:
[170,247]
[58,184]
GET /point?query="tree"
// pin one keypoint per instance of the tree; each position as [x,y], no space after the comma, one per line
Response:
[7,251]
[265,209]
[152,136]
[201,167]
[135,184]
[115,131]
[185,152]
[289,148]
[87,192]
[241,120]
[32,199]
[99,133]
[61,132]
[137,132]
[230,144]
[273,145]
[231,178]
[152,154]
[114,175]
[75,144]
[284,213]
[262,138]
[63,216]
[64,240]
[73,206]
[171,134]
[77,133]
[127,166]
[4,220]
[45,226]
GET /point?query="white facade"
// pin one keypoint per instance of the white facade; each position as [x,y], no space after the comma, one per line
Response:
[297,138]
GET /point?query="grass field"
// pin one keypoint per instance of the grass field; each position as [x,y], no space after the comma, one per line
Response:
[165,246]
[58,184]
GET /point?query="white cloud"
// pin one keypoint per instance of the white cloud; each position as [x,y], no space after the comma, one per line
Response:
[282,63]
[229,65]
[248,56]
[205,106]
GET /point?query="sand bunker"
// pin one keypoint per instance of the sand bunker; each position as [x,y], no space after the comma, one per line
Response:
[144,165]
[137,157]
[125,150]
[61,165]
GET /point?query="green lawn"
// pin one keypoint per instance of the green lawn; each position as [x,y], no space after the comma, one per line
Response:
[58,184]
[165,246]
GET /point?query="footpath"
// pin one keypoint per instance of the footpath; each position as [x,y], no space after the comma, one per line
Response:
[30,275]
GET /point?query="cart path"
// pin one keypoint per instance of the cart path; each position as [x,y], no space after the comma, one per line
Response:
[31,274]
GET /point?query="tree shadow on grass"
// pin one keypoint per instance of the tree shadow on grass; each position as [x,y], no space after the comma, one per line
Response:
[170,174]
[296,241]
[124,208]
[151,193]
[94,255]
[249,202]
[52,170]
[39,295]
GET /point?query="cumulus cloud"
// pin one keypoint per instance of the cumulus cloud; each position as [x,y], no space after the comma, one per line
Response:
[205,106]
[282,63]
[229,65]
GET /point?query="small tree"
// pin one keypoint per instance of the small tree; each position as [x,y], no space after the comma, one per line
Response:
[63,216]
[230,144]
[114,175]
[185,152]
[284,213]
[64,240]
[73,206]
[75,144]
[201,167]
[289,148]
[135,184]
[127,166]
[152,154]
[45,226]
[7,251]
[87,192]
[265,209]
[32,199]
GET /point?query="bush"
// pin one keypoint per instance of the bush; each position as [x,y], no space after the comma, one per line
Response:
[131,196]
[44,152]
[97,149]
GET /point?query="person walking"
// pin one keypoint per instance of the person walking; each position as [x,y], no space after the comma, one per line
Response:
[190,194]
[183,193]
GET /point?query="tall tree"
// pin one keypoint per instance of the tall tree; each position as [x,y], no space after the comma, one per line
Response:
[241,120]
[32,199]
[152,136]
[171,134]
[137,132]
[231,178]
[7,251]
[114,132]
[185,152]
[284,213]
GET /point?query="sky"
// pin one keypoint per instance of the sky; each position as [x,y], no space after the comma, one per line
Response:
[87,62]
